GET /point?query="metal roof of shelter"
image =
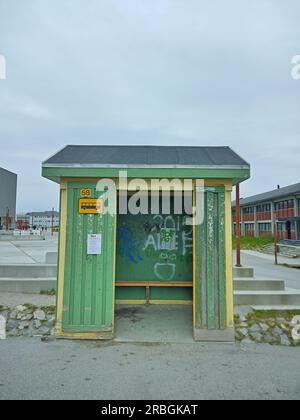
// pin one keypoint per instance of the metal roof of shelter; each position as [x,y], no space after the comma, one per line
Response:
[146,156]
[98,161]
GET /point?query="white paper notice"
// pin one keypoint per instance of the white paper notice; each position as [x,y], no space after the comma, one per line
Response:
[94,244]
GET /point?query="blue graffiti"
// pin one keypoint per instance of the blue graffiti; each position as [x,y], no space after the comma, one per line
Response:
[127,245]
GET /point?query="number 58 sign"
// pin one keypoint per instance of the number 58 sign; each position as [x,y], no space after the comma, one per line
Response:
[86,192]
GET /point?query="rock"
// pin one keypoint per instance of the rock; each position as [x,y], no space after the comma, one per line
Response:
[11,325]
[21,308]
[268,338]
[243,332]
[277,331]
[40,315]
[50,322]
[37,323]
[43,331]
[284,340]
[13,315]
[257,337]
[52,331]
[264,327]
[13,333]
[248,341]
[27,317]
[28,332]
[295,321]
[5,314]
[2,328]
[279,320]
[243,318]
[284,327]
[255,328]
[296,334]
[23,324]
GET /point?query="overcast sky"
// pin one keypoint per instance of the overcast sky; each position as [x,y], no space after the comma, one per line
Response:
[176,72]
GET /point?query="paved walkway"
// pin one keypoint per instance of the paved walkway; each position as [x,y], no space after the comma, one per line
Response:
[27,252]
[271,258]
[264,267]
[14,299]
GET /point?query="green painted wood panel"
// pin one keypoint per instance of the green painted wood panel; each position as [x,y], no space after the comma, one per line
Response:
[155,293]
[89,279]
[210,293]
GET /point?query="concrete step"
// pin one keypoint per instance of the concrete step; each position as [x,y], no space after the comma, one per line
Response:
[51,258]
[247,284]
[21,271]
[283,251]
[290,243]
[243,272]
[288,254]
[256,297]
[33,285]
[276,308]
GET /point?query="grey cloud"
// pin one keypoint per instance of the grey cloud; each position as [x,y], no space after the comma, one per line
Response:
[165,71]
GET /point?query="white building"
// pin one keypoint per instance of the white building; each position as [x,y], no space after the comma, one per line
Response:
[45,219]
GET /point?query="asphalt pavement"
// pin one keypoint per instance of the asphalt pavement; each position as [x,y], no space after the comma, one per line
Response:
[61,369]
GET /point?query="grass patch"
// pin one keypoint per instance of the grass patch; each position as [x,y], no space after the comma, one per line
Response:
[50,292]
[31,307]
[250,243]
[49,310]
[259,316]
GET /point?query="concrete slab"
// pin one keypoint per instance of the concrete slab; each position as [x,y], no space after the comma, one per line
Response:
[154,323]
[258,284]
[29,271]
[14,299]
[247,272]
[10,254]
[30,286]
[27,252]
[51,257]
[269,298]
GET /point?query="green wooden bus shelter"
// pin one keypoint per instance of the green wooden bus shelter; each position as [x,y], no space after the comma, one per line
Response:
[110,254]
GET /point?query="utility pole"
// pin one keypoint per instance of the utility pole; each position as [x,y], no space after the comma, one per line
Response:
[238,227]
[275,241]
[52,222]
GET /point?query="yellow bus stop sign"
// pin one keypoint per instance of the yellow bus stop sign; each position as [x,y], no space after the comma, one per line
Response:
[90,206]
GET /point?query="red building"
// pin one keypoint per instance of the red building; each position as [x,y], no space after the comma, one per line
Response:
[259,213]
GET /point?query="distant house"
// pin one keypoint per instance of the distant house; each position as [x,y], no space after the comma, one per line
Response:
[8,198]
[259,212]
